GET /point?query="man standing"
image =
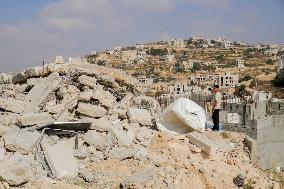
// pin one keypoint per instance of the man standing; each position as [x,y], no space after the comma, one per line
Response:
[216,105]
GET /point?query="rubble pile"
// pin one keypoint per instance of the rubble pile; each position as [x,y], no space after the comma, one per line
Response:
[83,126]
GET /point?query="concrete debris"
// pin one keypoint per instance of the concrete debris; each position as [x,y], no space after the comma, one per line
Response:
[91,110]
[12,105]
[101,124]
[65,121]
[122,153]
[20,140]
[208,145]
[16,170]
[124,138]
[41,91]
[95,139]
[2,153]
[140,116]
[61,160]
[29,119]
[87,81]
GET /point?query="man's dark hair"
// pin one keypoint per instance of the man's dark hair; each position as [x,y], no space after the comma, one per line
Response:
[216,86]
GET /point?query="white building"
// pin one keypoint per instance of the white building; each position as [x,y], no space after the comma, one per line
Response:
[240,63]
[228,80]
[129,55]
[187,65]
[180,87]
[227,44]
[170,57]
[59,60]
[139,46]
[177,43]
[281,63]
[117,48]
[145,80]
[271,51]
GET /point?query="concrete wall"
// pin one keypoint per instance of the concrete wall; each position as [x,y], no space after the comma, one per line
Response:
[270,141]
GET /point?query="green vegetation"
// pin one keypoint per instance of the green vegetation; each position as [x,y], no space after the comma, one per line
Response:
[270,61]
[245,78]
[157,52]
[101,62]
[241,91]
[179,67]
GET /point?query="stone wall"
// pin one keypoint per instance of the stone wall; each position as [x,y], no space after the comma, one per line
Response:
[270,140]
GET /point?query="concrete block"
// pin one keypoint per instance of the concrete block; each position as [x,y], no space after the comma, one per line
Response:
[208,145]
[140,116]
[104,97]
[41,91]
[16,170]
[61,160]
[101,124]
[122,153]
[12,105]
[91,110]
[123,138]
[20,140]
[29,119]
[88,81]
[95,139]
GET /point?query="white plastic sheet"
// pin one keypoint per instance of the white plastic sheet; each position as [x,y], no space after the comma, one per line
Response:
[182,116]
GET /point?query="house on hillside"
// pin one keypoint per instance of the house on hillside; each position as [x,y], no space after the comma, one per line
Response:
[240,63]
[145,80]
[228,80]
[179,87]
[129,55]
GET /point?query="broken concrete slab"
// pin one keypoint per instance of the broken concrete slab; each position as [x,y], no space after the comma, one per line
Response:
[102,124]
[104,97]
[61,160]
[87,81]
[2,153]
[95,139]
[91,110]
[20,140]
[86,95]
[208,145]
[12,105]
[16,170]
[41,91]
[8,119]
[123,138]
[141,116]
[34,81]
[122,153]
[29,119]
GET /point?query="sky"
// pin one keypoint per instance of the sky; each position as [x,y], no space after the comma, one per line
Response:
[33,30]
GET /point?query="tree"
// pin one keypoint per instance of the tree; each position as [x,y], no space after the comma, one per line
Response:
[279,79]
[269,61]
[196,66]
[220,58]
[101,62]
[241,91]
[253,83]
[245,78]
[179,67]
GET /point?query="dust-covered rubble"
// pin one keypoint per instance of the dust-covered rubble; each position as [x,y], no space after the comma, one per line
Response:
[86,126]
